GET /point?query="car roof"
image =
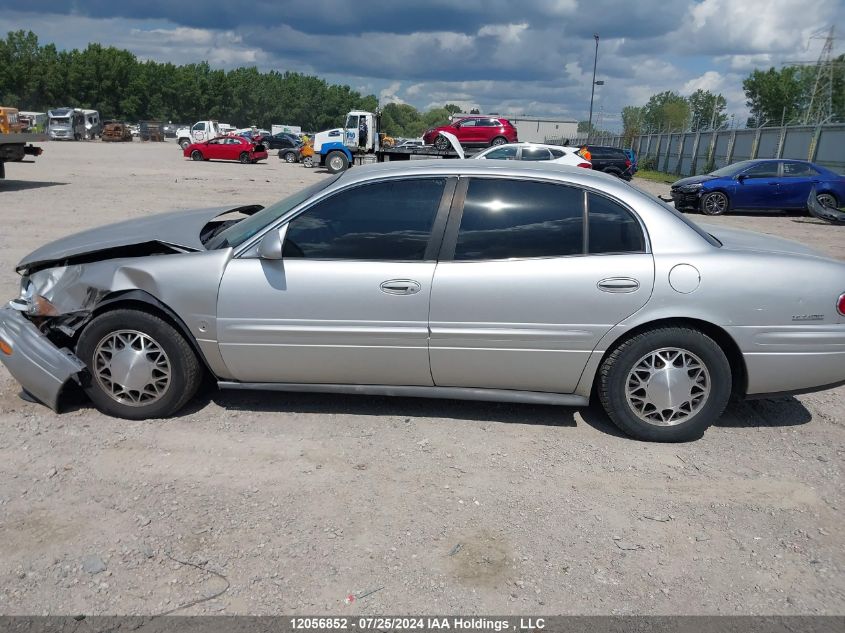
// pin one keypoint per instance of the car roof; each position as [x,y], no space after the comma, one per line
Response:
[471,167]
[530,144]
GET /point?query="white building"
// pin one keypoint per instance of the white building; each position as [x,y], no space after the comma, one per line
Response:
[535,129]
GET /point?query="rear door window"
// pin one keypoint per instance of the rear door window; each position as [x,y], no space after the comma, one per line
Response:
[536,153]
[612,228]
[794,169]
[505,219]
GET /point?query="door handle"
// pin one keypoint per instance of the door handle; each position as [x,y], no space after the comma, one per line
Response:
[400,287]
[618,284]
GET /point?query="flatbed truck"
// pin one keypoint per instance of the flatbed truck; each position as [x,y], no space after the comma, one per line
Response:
[340,148]
[15,147]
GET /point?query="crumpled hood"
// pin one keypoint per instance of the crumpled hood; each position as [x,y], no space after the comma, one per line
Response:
[740,239]
[176,228]
[692,180]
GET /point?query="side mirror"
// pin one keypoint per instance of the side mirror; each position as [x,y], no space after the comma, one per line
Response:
[741,177]
[270,246]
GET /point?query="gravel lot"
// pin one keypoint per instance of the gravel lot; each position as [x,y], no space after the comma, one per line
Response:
[295,502]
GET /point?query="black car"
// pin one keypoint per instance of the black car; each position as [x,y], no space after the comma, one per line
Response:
[287,144]
[611,160]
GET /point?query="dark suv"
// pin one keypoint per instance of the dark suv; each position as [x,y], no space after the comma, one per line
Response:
[611,160]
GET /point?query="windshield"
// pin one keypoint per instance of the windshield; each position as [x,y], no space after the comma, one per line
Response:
[239,233]
[732,170]
[60,121]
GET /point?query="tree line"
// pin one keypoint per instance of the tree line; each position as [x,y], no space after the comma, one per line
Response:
[774,97]
[120,86]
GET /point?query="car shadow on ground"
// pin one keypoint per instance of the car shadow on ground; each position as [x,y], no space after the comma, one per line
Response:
[767,412]
[23,185]
[328,403]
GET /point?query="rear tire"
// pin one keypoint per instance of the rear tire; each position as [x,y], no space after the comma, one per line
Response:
[828,200]
[119,347]
[196,155]
[244,157]
[336,162]
[499,140]
[665,385]
[289,157]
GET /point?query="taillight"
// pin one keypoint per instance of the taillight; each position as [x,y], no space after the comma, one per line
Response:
[627,163]
[840,305]
[585,165]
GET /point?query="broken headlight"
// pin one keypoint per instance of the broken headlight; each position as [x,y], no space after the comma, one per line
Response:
[31,302]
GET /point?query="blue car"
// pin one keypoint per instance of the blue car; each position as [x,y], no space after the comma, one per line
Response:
[763,184]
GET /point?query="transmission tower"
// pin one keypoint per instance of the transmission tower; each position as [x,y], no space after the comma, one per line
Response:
[821,98]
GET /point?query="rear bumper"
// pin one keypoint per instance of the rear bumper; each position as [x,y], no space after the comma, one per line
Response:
[797,359]
[36,363]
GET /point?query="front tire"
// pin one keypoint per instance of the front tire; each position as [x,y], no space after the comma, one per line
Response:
[336,162]
[289,157]
[141,366]
[184,143]
[715,203]
[244,158]
[196,155]
[665,385]
[442,143]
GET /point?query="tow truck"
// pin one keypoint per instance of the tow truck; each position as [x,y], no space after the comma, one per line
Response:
[340,148]
[14,144]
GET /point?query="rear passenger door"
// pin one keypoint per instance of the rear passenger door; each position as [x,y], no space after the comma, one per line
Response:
[795,184]
[530,278]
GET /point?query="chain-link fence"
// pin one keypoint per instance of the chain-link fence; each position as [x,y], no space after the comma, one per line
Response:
[690,153]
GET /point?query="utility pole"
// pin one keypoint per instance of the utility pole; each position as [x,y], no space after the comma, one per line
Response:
[593,86]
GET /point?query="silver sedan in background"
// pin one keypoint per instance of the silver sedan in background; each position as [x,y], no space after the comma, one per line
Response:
[473,279]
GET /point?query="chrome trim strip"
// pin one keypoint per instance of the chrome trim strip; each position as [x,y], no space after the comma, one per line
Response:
[449,393]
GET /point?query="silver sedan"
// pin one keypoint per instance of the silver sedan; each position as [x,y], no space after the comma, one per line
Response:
[514,282]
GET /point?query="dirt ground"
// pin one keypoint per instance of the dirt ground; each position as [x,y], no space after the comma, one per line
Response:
[291,503]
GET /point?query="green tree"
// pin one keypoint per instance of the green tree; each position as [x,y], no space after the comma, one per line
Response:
[666,111]
[632,122]
[776,95]
[707,110]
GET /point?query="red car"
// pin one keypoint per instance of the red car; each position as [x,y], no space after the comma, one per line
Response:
[474,130]
[227,148]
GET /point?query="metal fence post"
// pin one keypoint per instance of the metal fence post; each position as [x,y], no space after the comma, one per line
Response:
[730,153]
[813,150]
[694,156]
[682,141]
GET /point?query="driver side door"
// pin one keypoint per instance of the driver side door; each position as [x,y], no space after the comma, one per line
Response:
[348,302]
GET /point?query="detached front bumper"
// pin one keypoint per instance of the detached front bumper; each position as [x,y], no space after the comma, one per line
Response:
[35,362]
[686,199]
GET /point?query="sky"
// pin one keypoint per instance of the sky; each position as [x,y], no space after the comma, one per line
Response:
[531,57]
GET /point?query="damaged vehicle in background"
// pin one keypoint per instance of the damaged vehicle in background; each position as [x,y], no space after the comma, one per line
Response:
[236,148]
[470,279]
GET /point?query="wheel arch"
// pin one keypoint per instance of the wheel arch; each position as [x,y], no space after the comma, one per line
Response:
[145,302]
[719,189]
[739,372]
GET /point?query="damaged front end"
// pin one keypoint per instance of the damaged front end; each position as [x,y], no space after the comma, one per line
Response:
[34,361]
[159,260]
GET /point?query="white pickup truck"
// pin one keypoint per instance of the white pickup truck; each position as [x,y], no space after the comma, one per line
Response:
[199,131]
